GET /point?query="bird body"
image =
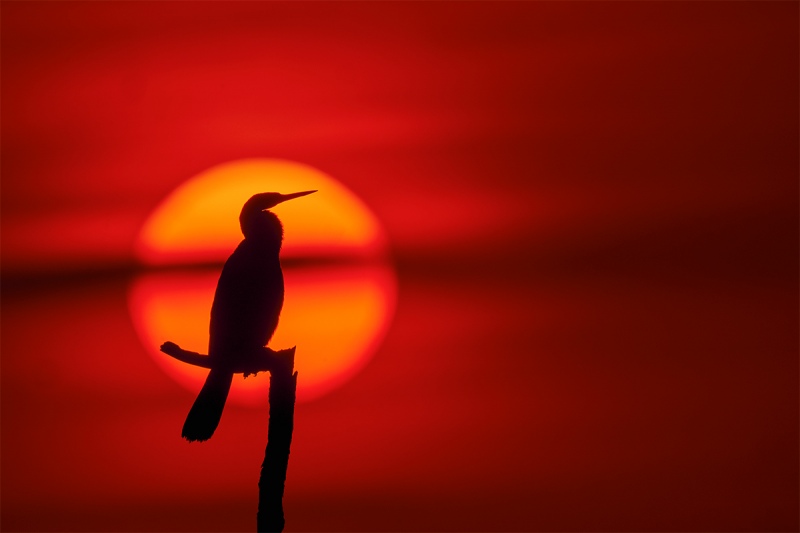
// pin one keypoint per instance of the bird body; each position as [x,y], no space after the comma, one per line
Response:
[247,302]
[244,315]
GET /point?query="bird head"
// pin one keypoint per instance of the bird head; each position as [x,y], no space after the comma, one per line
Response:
[254,218]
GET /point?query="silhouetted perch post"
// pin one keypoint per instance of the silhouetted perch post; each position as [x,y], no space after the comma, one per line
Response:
[282,394]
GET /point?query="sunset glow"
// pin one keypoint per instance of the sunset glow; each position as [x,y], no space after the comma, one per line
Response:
[335,315]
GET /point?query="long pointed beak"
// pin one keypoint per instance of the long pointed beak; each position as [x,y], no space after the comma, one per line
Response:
[285,197]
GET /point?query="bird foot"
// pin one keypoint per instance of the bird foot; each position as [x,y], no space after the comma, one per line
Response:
[267,359]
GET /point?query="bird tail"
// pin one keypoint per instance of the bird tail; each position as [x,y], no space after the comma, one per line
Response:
[206,412]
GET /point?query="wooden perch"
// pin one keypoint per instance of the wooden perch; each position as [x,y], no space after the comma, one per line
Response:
[261,360]
[282,395]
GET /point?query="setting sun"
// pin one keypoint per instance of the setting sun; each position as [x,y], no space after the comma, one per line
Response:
[336,314]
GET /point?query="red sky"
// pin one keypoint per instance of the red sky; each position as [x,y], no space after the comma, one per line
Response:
[592,210]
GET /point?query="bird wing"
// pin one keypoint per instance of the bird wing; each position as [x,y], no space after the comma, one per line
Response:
[247,302]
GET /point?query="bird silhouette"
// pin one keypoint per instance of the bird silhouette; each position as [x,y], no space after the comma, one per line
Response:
[246,308]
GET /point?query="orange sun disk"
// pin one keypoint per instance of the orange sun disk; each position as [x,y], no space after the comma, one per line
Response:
[336,314]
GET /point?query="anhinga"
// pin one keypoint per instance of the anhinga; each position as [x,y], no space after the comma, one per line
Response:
[245,311]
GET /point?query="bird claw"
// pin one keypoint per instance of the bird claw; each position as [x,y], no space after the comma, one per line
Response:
[267,360]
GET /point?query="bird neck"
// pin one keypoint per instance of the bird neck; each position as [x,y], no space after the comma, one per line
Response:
[265,243]
[264,229]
